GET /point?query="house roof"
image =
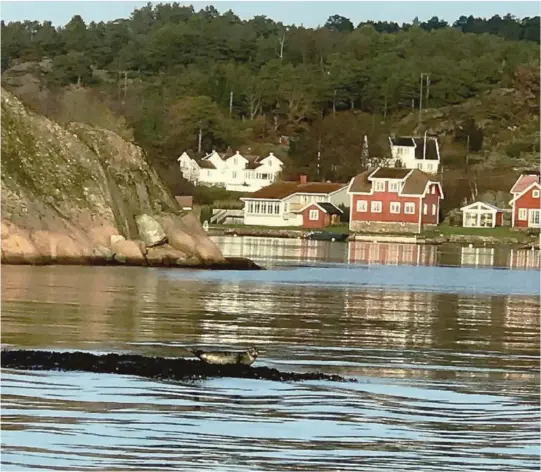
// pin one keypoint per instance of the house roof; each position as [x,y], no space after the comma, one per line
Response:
[415,182]
[431,148]
[402,141]
[524,181]
[329,208]
[281,190]
[487,206]
[206,164]
[360,183]
[390,173]
[184,200]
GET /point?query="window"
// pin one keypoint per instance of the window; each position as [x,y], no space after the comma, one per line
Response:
[362,206]
[433,190]
[428,167]
[379,186]
[522,214]
[375,207]
[425,209]
[286,207]
[534,218]
[433,208]
[536,194]
[235,161]
[314,215]
[257,206]
[234,175]
[395,207]
[394,186]
[409,208]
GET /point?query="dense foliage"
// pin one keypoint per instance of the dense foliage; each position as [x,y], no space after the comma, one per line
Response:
[180,77]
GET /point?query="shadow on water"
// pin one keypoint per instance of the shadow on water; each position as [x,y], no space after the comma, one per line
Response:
[447,371]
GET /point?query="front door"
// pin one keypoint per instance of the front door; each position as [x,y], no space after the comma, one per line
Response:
[533,218]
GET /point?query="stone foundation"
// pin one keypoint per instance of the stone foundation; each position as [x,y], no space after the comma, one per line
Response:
[382,227]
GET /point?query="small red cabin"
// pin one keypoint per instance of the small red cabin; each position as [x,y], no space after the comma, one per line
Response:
[320,215]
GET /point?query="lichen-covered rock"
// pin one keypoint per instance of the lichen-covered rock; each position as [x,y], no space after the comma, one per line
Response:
[71,195]
[150,231]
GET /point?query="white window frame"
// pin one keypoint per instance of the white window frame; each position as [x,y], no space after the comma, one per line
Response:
[376,206]
[522,214]
[394,187]
[362,206]
[395,208]
[379,186]
[425,208]
[535,193]
[433,208]
[313,215]
[409,208]
[531,218]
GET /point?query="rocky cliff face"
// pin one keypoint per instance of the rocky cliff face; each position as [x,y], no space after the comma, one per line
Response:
[79,194]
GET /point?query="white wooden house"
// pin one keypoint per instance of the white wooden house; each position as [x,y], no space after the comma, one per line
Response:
[282,204]
[236,172]
[421,153]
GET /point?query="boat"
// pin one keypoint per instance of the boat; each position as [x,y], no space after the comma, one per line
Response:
[326,236]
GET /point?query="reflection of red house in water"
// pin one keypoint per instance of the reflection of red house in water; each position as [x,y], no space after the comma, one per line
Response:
[524,259]
[320,214]
[391,253]
[526,201]
[392,199]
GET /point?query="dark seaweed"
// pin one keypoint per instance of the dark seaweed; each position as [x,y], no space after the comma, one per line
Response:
[151,367]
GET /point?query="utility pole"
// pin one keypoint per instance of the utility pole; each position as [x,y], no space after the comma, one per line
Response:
[467,149]
[423,75]
[230,102]
[125,85]
[319,158]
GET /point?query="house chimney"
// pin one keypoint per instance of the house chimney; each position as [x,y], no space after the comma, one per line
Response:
[303,179]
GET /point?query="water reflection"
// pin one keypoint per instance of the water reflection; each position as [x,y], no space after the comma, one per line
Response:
[361,252]
[447,380]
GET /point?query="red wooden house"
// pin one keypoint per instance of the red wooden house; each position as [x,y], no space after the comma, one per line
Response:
[320,215]
[526,201]
[394,200]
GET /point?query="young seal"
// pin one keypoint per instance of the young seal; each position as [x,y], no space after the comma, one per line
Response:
[227,357]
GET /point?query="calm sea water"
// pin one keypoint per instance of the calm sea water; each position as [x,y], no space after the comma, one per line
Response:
[443,341]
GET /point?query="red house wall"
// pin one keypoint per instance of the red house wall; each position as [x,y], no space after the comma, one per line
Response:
[525,201]
[323,218]
[499,218]
[386,216]
[431,199]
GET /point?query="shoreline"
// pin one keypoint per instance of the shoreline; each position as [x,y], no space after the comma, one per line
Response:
[522,241]
[229,263]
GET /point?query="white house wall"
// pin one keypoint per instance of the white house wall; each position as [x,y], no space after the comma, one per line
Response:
[231,173]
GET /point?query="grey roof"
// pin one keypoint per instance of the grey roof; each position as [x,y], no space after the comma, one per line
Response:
[330,208]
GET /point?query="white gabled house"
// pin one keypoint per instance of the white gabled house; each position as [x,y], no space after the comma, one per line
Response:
[236,172]
[282,203]
[421,153]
